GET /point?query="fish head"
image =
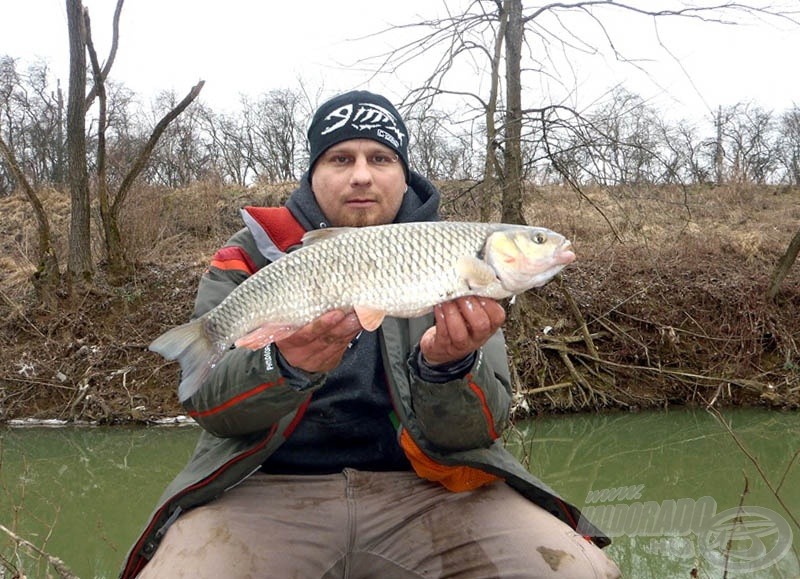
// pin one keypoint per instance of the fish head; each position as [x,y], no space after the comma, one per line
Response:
[526,257]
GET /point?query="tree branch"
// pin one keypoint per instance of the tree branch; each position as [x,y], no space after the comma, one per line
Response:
[111,55]
[144,154]
[61,568]
[48,264]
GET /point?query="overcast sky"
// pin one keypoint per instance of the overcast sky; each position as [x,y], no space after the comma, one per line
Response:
[248,47]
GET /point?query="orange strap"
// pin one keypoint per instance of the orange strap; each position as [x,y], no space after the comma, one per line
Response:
[453,478]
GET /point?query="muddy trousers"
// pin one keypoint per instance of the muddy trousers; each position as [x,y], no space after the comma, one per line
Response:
[372,525]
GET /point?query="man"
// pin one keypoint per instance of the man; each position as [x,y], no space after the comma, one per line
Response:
[338,452]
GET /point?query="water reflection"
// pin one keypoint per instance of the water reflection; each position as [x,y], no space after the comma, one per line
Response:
[84,493]
[668,487]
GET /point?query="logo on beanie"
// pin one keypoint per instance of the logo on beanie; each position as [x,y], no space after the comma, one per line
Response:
[366,117]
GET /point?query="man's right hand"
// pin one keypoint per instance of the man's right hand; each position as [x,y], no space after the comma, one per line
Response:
[320,345]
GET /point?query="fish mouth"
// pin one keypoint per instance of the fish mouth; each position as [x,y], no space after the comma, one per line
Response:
[565,254]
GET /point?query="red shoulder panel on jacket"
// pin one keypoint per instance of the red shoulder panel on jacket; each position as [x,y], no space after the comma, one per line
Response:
[279,223]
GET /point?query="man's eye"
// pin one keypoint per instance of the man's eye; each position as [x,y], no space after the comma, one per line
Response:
[382,159]
[339,159]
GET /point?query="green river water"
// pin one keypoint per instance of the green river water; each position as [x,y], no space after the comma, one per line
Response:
[668,486]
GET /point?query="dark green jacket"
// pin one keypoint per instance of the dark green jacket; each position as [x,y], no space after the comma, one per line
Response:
[247,408]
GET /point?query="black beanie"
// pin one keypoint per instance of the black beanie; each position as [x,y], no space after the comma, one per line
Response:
[357,114]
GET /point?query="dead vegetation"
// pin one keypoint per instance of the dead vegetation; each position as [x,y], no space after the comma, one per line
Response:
[666,304]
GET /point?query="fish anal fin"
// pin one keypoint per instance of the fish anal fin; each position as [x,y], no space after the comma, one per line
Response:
[369,318]
[476,273]
[263,335]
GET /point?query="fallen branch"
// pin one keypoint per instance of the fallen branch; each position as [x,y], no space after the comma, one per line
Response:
[61,568]
[582,326]
[547,388]
[752,384]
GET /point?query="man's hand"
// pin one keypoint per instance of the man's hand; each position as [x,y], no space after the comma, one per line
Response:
[462,326]
[320,345]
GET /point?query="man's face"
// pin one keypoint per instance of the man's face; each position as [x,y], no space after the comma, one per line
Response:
[358,182]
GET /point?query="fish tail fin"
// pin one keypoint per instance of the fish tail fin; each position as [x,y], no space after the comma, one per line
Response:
[192,348]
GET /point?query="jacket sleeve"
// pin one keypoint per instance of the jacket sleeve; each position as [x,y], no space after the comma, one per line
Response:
[246,391]
[468,412]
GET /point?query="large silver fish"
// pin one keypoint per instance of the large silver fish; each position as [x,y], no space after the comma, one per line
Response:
[400,270]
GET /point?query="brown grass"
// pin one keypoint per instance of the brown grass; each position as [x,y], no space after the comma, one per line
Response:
[665,304]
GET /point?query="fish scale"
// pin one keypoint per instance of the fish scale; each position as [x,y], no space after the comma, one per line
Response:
[399,270]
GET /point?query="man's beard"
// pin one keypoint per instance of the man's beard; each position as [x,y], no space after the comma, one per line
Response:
[359,218]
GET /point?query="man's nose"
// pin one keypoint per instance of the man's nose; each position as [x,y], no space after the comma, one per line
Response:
[362,173]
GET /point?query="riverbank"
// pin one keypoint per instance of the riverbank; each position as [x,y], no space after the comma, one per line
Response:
[665,305]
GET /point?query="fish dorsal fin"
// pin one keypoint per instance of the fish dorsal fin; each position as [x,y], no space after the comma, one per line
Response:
[318,235]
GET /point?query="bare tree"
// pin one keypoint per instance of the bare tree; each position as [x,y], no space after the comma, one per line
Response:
[749,143]
[80,267]
[274,126]
[181,155]
[512,159]
[16,106]
[225,139]
[789,145]
[532,37]
[47,272]
[626,145]
[436,151]
[111,204]
[49,137]
[719,147]
[32,120]
[697,162]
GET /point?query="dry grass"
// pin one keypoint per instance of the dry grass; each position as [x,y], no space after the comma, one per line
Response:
[665,304]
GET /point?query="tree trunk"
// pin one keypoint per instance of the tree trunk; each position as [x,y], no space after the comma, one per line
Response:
[491,169]
[512,210]
[118,266]
[80,255]
[784,264]
[47,276]
[59,173]
[111,222]
[718,152]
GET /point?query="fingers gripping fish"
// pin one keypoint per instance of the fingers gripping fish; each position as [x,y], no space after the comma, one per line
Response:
[399,270]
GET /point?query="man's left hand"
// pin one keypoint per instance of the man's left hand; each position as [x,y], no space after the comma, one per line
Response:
[462,326]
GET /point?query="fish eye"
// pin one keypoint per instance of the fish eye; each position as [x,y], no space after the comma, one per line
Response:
[539,238]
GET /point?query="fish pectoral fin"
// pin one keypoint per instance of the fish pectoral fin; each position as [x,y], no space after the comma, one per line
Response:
[476,273]
[369,318]
[264,335]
